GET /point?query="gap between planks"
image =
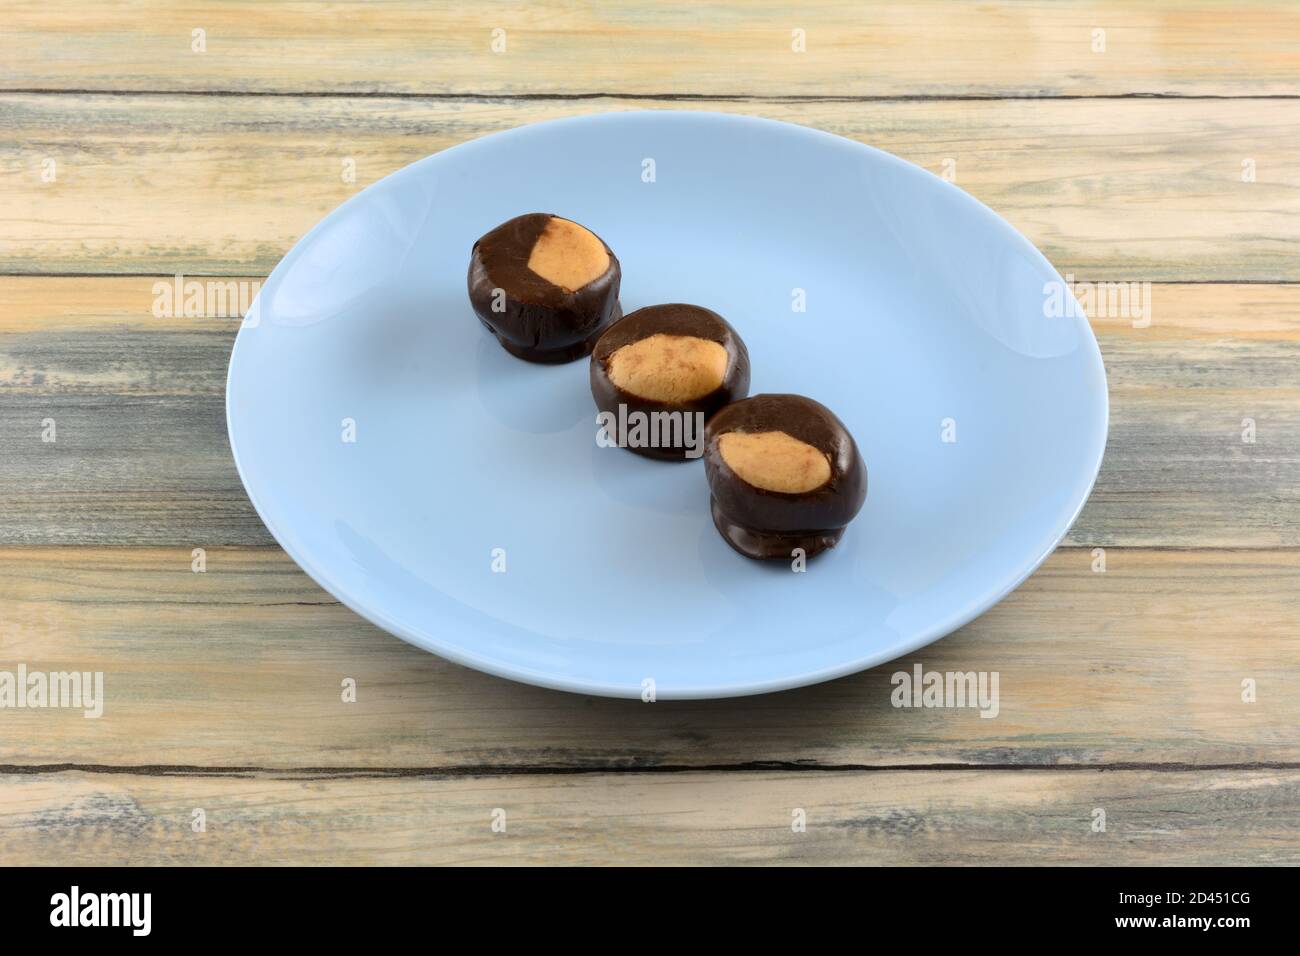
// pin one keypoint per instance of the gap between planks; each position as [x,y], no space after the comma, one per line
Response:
[567,770]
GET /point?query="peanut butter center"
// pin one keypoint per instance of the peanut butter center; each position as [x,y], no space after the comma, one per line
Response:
[568,255]
[669,368]
[775,461]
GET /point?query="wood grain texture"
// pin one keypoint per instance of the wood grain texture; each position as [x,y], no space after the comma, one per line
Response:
[1119,691]
[141,455]
[918,817]
[1107,189]
[739,47]
[242,666]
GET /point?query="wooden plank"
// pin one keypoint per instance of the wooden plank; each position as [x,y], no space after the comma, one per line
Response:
[737,47]
[1136,189]
[910,818]
[242,666]
[141,455]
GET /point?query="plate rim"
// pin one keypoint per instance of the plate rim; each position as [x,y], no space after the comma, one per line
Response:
[551,680]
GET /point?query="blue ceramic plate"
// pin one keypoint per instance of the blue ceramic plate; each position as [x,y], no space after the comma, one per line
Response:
[929,326]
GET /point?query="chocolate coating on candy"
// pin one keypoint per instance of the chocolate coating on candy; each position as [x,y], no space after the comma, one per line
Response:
[674,358]
[791,431]
[558,287]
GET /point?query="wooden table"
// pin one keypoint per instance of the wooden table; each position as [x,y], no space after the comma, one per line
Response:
[1163,149]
